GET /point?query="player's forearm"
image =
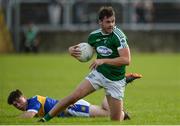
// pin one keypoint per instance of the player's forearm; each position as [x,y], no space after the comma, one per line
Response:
[123,59]
[27,115]
[119,61]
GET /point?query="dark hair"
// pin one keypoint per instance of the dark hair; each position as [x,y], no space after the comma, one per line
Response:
[13,96]
[106,12]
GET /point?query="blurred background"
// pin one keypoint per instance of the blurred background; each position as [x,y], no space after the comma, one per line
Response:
[48,26]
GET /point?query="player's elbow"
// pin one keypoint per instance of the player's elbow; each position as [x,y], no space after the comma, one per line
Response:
[127,61]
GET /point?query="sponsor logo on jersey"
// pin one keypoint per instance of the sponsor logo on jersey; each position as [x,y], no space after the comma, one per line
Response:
[97,40]
[123,40]
[105,41]
[104,51]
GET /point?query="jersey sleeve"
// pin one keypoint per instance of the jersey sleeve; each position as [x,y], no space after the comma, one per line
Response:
[33,105]
[122,43]
[90,40]
[120,39]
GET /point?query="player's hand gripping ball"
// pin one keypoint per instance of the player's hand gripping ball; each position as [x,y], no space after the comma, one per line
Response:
[86,52]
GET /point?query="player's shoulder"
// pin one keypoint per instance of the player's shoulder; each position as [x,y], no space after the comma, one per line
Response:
[93,36]
[33,98]
[95,32]
[37,97]
[118,33]
[32,101]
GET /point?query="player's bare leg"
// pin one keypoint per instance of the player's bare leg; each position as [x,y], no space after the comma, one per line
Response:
[116,108]
[97,111]
[105,106]
[81,91]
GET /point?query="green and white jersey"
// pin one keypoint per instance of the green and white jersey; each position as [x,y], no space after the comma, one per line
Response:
[107,46]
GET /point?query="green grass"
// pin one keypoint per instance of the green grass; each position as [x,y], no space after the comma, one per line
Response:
[154,99]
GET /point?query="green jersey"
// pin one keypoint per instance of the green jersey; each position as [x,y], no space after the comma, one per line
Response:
[107,46]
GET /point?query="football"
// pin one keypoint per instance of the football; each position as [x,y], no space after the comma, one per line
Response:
[86,52]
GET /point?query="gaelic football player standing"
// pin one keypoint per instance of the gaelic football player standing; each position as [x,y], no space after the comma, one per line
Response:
[108,70]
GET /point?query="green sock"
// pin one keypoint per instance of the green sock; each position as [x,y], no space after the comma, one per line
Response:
[48,117]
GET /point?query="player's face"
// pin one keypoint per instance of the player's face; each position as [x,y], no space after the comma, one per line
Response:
[107,24]
[20,103]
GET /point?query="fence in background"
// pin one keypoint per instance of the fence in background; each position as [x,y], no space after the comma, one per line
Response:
[81,15]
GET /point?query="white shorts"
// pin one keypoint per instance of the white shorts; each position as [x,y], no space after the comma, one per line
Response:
[113,88]
[80,109]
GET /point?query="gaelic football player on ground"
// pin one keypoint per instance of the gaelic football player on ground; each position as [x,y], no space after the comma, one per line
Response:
[40,105]
[108,70]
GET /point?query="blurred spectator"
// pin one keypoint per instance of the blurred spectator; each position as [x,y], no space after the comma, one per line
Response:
[80,12]
[140,12]
[31,38]
[54,12]
[143,11]
[149,10]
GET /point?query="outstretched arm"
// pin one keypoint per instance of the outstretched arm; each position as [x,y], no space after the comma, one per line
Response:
[29,114]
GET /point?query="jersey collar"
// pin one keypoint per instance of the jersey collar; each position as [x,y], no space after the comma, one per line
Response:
[105,33]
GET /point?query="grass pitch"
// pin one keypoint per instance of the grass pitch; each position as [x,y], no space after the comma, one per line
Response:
[154,99]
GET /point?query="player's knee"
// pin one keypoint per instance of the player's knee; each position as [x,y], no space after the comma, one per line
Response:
[117,117]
